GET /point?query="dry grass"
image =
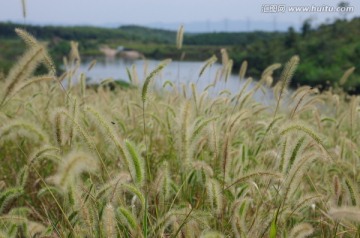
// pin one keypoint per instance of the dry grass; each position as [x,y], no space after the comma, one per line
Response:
[79,162]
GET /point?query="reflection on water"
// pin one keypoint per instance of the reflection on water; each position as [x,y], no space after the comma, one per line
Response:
[178,72]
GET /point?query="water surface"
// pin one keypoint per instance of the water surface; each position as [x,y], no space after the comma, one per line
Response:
[178,72]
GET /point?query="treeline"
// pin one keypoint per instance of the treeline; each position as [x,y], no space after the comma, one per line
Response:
[80,33]
[230,38]
[138,34]
[326,52]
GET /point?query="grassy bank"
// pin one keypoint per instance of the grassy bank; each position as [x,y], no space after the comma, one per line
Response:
[132,162]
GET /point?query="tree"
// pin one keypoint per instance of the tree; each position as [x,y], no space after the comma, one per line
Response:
[290,38]
[306,27]
[343,6]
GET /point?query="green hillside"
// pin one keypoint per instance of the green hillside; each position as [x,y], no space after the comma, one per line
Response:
[325,53]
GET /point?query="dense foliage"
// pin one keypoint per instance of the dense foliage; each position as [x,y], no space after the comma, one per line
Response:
[326,53]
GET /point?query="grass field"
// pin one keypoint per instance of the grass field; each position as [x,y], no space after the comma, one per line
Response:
[138,162]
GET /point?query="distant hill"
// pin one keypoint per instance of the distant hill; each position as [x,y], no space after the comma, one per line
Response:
[228,25]
[136,34]
[225,25]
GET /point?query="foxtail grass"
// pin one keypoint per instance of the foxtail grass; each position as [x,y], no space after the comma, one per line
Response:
[180,37]
[78,162]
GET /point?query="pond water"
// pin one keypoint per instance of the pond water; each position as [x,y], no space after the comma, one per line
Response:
[178,72]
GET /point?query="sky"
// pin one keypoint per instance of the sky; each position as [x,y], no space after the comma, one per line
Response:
[208,14]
